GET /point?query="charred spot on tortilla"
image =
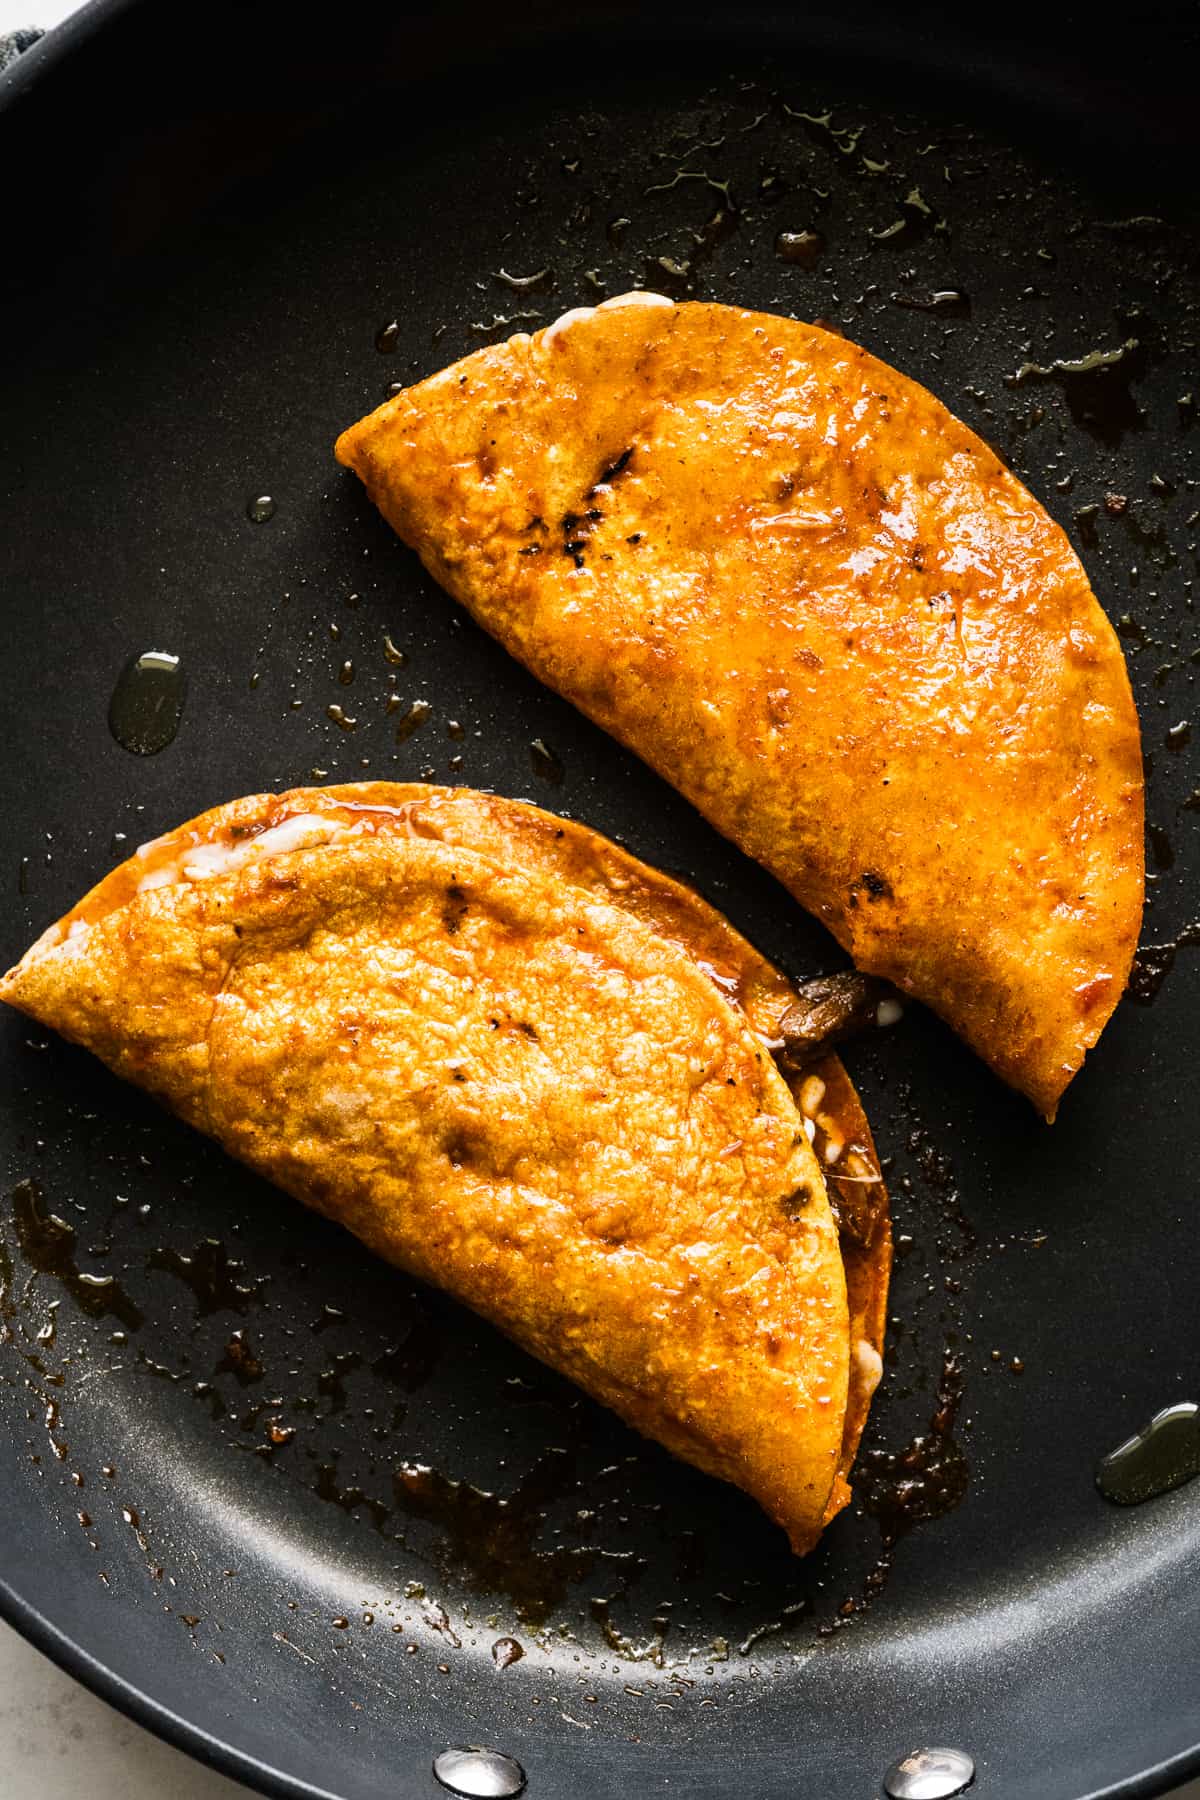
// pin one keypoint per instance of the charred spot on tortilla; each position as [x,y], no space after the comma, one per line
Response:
[819,605]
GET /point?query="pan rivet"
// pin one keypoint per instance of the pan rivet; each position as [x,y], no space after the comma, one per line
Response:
[479,1773]
[929,1775]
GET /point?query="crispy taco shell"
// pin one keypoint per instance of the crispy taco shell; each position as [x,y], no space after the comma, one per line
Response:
[523,1066]
[786,576]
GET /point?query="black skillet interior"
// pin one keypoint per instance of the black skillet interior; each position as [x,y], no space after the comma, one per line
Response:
[269,1495]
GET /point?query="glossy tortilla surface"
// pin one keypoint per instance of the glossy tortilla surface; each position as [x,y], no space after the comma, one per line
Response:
[524,1067]
[812,599]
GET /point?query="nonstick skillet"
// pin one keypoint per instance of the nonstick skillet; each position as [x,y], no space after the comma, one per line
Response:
[308,1520]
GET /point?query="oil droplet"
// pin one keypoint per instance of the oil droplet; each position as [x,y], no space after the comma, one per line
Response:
[415,717]
[1151,966]
[260,509]
[545,762]
[943,300]
[1161,847]
[438,1619]
[1162,1456]
[147,702]
[240,1361]
[217,1281]
[801,247]
[505,1652]
[392,654]
[651,1650]
[386,336]
[540,282]
[48,1244]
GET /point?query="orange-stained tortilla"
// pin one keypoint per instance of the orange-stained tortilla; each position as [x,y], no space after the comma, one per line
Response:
[812,599]
[524,1066]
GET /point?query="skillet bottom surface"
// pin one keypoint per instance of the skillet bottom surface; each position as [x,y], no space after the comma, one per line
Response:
[316,1521]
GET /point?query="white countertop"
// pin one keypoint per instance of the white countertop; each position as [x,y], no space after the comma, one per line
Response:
[15,14]
[57,1741]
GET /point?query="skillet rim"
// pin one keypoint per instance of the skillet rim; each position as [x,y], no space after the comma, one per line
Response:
[17,82]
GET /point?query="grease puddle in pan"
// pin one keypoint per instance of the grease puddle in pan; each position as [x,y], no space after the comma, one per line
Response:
[1162,1456]
[147,702]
